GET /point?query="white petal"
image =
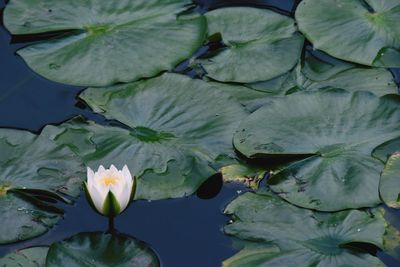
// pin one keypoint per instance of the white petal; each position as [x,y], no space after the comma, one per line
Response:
[97,197]
[90,176]
[96,178]
[118,188]
[101,187]
[127,173]
[125,196]
[101,169]
[113,169]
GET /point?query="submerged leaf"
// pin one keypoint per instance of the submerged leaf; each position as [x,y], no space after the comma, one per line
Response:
[250,176]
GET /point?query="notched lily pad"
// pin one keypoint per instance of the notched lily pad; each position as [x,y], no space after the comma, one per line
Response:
[260,44]
[33,167]
[171,129]
[305,238]
[335,132]
[29,257]
[105,42]
[103,250]
[361,31]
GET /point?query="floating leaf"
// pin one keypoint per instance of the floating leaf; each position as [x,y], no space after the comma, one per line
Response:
[319,71]
[29,257]
[31,168]
[105,42]
[316,72]
[306,238]
[251,98]
[260,44]
[170,129]
[335,132]
[385,150]
[361,31]
[389,186]
[97,249]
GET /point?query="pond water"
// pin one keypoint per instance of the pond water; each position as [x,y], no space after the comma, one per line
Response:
[184,232]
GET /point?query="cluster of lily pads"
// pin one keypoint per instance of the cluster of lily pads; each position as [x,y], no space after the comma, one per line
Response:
[310,97]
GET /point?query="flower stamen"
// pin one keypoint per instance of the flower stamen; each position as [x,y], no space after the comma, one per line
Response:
[109,180]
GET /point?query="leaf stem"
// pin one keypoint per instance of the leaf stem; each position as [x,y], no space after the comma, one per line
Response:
[111,228]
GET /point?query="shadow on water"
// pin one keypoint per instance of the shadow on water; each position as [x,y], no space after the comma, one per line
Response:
[183,232]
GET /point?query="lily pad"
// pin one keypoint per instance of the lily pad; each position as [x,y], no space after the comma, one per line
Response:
[335,133]
[305,238]
[29,257]
[250,98]
[33,168]
[361,31]
[389,186]
[318,71]
[169,131]
[98,249]
[260,44]
[385,150]
[105,42]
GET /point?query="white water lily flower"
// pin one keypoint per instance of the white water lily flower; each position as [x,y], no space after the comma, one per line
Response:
[110,191]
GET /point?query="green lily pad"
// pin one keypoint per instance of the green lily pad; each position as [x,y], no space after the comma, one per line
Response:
[98,249]
[29,257]
[361,31]
[335,133]
[261,44]
[305,238]
[250,98]
[385,150]
[316,72]
[319,71]
[389,186]
[170,130]
[105,42]
[31,168]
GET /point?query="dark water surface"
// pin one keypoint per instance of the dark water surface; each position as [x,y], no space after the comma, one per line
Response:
[183,232]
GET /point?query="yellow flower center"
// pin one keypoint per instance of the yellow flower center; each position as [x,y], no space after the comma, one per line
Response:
[108,180]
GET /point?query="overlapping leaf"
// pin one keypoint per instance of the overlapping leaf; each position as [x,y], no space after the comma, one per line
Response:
[304,237]
[260,44]
[319,71]
[335,132]
[105,42]
[32,167]
[361,31]
[170,129]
